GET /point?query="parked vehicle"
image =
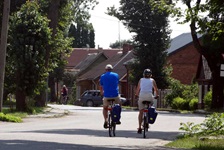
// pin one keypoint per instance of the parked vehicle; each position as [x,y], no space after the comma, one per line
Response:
[93,98]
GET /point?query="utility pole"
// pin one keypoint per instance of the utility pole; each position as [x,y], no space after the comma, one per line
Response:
[3,46]
[119,34]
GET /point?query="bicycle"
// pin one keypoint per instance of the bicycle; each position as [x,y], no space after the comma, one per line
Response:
[149,115]
[145,122]
[111,124]
[64,99]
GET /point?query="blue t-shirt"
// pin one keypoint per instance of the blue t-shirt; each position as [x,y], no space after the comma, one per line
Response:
[109,81]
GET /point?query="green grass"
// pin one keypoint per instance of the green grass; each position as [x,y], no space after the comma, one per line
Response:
[196,143]
[11,115]
[9,118]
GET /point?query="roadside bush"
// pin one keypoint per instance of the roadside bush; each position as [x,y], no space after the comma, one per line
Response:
[176,91]
[212,125]
[208,99]
[187,92]
[190,91]
[9,118]
[177,103]
[193,104]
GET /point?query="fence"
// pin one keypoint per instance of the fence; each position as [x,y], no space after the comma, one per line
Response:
[161,101]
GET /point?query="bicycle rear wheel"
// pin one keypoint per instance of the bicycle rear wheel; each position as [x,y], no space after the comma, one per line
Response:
[144,126]
[113,128]
[110,125]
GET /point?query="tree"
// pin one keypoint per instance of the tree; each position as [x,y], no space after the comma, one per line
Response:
[3,45]
[29,36]
[62,13]
[207,19]
[119,44]
[151,38]
[83,34]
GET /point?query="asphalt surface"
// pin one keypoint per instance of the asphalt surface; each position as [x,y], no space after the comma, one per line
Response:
[65,127]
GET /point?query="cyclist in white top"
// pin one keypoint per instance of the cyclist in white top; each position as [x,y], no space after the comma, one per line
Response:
[144,91]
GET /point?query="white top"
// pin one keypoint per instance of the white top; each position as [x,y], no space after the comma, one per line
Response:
[146,85]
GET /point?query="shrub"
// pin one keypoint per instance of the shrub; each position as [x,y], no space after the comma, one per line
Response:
[190,91]
[177,103]
[208,99]
[212,125]
[9,118]
[193,104]
[176,91]
[187,92]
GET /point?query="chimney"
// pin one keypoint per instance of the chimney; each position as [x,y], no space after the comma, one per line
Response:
[127,47]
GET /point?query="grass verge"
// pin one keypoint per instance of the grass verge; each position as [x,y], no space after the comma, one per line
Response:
[10,115]
[196,143]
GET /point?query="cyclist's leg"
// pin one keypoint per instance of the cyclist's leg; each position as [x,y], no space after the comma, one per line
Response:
[105,111]
[140,114]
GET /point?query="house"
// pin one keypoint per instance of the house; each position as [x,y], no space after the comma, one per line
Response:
[184,58]
[80,55]
[90,80]
[91,60]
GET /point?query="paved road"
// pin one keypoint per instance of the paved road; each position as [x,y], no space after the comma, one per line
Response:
[83,129]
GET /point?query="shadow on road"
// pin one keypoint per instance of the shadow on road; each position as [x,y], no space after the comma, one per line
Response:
[119,133]
[181,114]
[36,145]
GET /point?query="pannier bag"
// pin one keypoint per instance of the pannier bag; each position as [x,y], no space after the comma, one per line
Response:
[116,113]
[152,114]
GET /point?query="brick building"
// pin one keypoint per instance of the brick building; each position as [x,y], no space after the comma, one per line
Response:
[184,58]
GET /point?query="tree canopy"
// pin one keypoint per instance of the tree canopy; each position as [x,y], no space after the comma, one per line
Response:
[29,36]
[206,18]
[37,47]
[151,38]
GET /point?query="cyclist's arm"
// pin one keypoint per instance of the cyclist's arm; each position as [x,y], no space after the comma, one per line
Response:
[138,88]
[101,90]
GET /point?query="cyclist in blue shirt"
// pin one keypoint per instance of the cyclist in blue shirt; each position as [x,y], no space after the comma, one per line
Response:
[109,88]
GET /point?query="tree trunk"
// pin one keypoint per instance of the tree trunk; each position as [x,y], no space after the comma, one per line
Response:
[20,100]
[3,45]
[214,65]
[52,87]
[218,86]
[53,14]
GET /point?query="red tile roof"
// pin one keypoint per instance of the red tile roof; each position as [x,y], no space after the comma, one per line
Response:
[79,54]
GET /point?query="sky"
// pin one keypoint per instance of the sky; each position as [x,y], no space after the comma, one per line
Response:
[108,29]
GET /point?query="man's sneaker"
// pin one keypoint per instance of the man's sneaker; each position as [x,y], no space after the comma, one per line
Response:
[105,125]
[139,131]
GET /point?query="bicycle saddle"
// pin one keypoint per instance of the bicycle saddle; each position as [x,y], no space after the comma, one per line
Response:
[146,102]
